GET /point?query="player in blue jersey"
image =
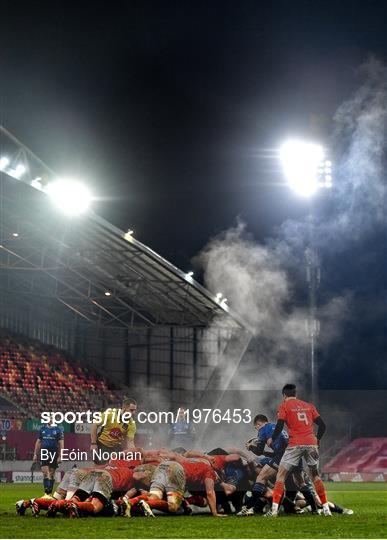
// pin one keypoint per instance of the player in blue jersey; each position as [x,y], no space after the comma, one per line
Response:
[48,450]
[270,463]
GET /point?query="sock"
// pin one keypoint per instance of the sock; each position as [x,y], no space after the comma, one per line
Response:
[336,508]
[320,490]
[278,492]
[46,485]
[43,503]
[86,507]
[61,505]
[197,500]
[51,484]
[136,500]
[308,493]
[257,492]
[158,505]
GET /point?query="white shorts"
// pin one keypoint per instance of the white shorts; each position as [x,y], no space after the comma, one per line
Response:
[294,454]
[97,482]
[72,479]
[169,477]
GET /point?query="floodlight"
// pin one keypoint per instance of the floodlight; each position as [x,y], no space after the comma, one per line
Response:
[15,234]
[129,235]
[108,293]
[36,183]
[71,197]
[17,172]
[218,296]
[189,275]
[301,161]
[4,161]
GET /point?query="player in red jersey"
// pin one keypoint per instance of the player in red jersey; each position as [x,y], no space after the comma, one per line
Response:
[219,462]
[199,476]
[64,492]
[97,486]
[100,485]
[299,417]
[166,491]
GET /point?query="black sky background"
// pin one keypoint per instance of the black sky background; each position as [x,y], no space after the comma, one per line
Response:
[163,108]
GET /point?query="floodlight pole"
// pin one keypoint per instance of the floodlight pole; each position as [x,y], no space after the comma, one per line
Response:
[313,280]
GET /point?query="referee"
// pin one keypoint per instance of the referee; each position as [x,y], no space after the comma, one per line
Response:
[114,436]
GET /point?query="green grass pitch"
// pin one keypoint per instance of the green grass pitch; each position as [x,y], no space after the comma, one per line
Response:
[369,502]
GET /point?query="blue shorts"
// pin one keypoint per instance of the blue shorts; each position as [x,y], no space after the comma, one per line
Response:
[272,462]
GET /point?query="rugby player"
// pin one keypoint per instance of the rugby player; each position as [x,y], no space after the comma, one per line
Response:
[96,488]
[200,477]
[166,491]
[299,417]
[270,464]
[70,484]
[48,450]
[64,491]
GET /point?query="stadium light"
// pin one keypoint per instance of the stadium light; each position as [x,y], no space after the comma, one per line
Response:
[218,296]
[305,167]
[71,197]
[36,183]
[189,275]
[129,235]
[4,162]
[15,234]
[17,172]
[108,293]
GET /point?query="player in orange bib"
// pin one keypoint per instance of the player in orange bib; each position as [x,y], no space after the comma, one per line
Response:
[299,417]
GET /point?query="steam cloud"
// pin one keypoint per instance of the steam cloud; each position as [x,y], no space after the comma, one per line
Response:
[258,280]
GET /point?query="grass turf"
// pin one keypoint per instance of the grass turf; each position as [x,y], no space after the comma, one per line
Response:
[369,502]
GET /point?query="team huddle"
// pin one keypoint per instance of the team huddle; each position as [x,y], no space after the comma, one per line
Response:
[244,481]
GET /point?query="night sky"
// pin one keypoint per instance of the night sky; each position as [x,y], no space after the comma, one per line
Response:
[165,109]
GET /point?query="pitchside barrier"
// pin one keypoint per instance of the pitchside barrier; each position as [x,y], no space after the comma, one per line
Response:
[357,477]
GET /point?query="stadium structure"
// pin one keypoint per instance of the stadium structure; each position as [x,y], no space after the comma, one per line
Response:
[95,293]
[82,285]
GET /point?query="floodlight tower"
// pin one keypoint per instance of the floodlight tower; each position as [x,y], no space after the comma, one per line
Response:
[307,170]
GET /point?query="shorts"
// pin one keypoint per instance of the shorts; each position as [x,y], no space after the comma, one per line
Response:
[75,479]
[65,482]
[48,463]
[169,477]
[97,482]
[293,454]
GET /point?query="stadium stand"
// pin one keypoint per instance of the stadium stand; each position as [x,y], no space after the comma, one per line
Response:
[360,456]
[39,377]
